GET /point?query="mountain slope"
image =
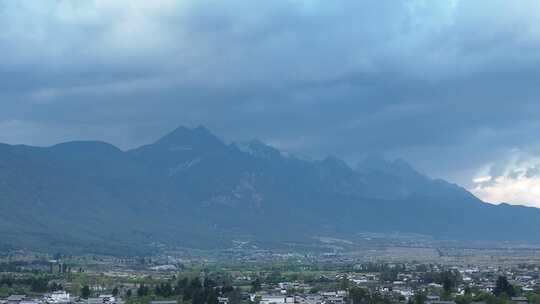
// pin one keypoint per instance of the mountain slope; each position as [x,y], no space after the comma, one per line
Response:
[191,189]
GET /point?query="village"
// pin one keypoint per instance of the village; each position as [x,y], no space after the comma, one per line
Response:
[318,281]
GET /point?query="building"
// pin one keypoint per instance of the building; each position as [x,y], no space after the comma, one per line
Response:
[520,300]
[104,299]
[16,299]
[223,300]
[269,299]
[57,297]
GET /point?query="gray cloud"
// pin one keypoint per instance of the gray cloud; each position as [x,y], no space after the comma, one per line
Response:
[444,83]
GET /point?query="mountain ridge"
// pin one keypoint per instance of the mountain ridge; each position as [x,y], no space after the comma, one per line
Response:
[191,189]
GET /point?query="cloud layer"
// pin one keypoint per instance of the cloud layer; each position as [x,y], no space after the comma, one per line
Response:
[450,85]
[516,181]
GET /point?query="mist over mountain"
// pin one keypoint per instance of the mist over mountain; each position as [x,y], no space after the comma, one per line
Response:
[191,189]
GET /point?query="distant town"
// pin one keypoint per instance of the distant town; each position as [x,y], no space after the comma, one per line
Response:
[407,275]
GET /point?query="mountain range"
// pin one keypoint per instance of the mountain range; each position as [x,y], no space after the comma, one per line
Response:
[190,189]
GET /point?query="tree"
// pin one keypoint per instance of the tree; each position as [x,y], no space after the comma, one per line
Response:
[128,293]
[344,283]
[448,284]
[358,295]
[534,299]
[39,284]
[389,275]
[198,297]
[142,291]
[55,286]
[164,290]
[503,287]
[463,300]
[181,285]
[419,297]
[85,292]
[193,288]
[115,292]
[211,296]
[195,283]
[235,296]
[256,285]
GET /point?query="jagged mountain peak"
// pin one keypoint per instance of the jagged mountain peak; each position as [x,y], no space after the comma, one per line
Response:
[198,138]
[203,130]
[396,167]
[258,149]
[335,162]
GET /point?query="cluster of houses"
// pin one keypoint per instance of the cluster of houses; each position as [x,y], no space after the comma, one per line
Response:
[404,285]
[401,287]
[338,297]
[60,297]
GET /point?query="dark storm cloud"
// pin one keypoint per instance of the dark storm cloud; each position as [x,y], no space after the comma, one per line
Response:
[450,85]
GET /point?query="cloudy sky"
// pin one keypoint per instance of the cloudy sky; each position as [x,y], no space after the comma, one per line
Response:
[451,86]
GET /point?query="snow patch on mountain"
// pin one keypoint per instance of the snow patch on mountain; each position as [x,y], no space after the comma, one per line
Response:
[184,166]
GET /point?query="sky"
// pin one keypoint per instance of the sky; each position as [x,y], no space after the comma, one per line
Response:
[450,86]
